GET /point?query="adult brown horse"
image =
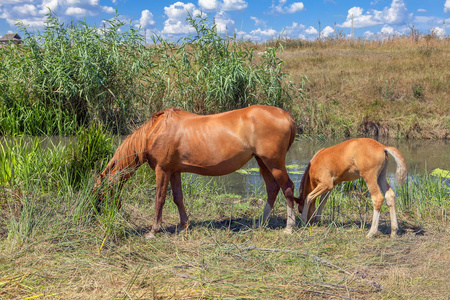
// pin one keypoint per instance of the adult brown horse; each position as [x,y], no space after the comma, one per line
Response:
[176,141]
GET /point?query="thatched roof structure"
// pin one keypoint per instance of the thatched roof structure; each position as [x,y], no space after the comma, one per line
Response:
[11,37]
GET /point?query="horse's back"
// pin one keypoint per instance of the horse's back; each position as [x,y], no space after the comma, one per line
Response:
[221,143]
[348,159]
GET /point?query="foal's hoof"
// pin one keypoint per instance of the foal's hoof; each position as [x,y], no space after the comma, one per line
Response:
[150,235]
[371,234]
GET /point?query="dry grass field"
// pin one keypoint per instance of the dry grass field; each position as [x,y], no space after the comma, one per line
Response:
[396,88]
[221,260]
[222,255]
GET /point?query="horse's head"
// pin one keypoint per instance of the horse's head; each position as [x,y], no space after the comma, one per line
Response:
[301,202]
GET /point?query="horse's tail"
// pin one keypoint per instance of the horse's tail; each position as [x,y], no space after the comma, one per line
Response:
[400,161]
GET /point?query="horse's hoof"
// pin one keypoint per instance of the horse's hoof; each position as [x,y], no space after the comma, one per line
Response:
[370,235]
[183,226]
[288,231]
[150,235]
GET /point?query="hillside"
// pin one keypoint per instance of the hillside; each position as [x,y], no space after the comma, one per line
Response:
[396,88]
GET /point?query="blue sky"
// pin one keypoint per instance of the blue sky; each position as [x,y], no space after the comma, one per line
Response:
[254,20]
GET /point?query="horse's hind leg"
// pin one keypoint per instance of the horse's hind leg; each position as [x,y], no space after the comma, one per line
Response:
[390,201]
[162,182]
[272,189]
[175,182]
[377,200]
[278,170]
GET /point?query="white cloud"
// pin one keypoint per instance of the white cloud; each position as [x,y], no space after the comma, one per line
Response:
[177,13]
[108,9]
[27,9]
[231,5]
[438,31]
[280,8]
[421,10]
[32,12]
[387,30]
[208,4]
[311,30]
[75,11]
[397,13]
[146,19]
[266,32]
[258,22]
[295,7]
[447,6]
[327,31]
[224,24]
[49,4]
[368,35]
[293,30]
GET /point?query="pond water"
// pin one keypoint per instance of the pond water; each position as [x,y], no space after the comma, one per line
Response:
[421,156]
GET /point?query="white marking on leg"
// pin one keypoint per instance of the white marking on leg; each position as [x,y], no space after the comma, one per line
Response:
[390,200]
[290,223]
[374,228]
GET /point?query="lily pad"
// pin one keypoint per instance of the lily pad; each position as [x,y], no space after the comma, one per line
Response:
[441,173]
[292,169]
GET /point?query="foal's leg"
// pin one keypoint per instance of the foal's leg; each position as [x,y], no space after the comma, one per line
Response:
[272,189]
[162,181]
[323,201]
[390,201]
[377,201]
[175,182]
[307,212]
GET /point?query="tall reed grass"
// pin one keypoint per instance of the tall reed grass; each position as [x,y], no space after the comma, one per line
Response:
[72,75]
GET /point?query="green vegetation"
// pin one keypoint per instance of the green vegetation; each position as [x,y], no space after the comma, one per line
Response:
[54,243]
[74,75]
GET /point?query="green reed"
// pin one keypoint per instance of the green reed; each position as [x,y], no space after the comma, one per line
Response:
[208,73]
[69,76]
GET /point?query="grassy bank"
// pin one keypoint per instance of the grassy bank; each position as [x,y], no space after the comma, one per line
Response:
[54,244]
[395,88]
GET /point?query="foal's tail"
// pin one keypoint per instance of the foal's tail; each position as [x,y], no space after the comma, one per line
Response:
[400,161]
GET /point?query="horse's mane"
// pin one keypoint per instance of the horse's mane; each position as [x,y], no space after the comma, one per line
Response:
[131,152]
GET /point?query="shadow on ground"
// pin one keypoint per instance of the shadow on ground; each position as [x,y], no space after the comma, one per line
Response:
[243,224]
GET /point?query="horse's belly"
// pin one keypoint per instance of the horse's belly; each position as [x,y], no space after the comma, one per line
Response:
[213,166]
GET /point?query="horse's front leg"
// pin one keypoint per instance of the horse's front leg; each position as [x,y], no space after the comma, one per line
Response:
[162,182]
[175,182]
